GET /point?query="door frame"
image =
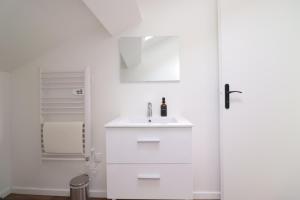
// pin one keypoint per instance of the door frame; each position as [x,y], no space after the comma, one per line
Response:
[221,98]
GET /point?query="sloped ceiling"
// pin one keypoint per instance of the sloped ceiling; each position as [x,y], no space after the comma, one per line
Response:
[29,28]
[115,15]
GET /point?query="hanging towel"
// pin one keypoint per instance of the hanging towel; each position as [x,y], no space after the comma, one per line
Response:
[63,137]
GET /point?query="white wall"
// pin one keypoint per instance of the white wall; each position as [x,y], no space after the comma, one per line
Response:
[5,164]
[195,97]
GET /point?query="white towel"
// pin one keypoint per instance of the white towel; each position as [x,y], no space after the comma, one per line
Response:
[63,137]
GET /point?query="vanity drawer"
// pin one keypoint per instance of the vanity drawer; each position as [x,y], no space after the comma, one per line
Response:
[149,181]
[149,145]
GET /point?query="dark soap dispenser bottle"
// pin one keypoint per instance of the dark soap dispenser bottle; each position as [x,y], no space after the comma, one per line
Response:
[163,108]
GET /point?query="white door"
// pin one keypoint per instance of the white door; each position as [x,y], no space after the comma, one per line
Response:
[260,132]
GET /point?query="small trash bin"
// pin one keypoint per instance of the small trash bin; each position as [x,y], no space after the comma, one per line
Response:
[79,187]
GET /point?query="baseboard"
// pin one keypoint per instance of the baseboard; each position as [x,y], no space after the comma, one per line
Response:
[207,195]
[93,193]
[53,191]
[98,193]
[5,192]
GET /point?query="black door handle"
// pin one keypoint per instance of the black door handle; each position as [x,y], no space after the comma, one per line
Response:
[227,95]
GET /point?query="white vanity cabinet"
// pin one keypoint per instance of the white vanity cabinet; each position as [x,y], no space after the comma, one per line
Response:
[153,161]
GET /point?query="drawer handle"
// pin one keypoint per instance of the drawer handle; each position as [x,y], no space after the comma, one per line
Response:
[148,141]
[148,177]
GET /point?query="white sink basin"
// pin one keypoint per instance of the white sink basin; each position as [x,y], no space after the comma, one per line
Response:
[144,122]
[152,120]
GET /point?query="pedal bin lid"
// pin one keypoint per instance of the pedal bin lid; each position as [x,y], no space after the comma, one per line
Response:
[80,180]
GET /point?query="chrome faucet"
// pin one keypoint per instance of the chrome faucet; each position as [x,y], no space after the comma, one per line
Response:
[149,111]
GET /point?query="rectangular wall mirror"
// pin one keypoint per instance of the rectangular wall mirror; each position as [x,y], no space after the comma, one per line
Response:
[149,58]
